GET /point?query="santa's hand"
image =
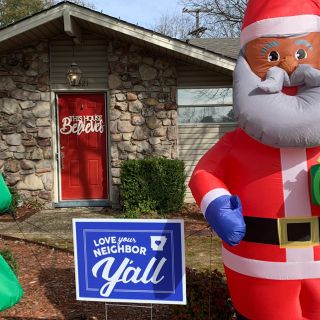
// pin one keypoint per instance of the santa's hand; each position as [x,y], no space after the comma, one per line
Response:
[275,80]
[224,214]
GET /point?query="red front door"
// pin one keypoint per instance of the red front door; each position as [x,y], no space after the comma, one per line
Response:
[83,145]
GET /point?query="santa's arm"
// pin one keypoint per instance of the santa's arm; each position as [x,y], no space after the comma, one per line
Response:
[222,210]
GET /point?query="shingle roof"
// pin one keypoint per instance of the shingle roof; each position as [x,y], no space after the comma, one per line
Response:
[228,47]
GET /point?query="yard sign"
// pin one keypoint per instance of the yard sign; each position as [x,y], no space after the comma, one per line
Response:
[136,261]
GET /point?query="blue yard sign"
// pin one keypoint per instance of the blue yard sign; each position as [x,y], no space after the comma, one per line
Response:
[136,261]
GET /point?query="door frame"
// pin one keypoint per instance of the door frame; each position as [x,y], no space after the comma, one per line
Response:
[58,202]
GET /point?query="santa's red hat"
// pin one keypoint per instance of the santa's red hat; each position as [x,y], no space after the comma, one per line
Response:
[265,18]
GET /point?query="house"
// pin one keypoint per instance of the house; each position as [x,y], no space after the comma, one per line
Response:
[204,104]
[63,137]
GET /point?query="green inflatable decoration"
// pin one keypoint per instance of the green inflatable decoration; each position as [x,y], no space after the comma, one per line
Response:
[5,196]
[10,289]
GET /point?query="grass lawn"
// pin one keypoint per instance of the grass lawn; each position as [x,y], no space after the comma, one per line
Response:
[203,252]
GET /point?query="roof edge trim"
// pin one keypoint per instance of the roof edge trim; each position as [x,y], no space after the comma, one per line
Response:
[67,10]
[156,39]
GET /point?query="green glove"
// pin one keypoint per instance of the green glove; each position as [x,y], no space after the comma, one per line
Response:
[10,289]
[5,195]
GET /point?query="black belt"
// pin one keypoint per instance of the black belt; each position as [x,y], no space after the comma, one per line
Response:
[266,230]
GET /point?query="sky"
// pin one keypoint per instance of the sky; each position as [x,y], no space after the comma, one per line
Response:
[143,12]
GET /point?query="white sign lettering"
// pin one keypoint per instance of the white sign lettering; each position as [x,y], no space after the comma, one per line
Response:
[102,251]
[126,273]
[105,240]
[82,124]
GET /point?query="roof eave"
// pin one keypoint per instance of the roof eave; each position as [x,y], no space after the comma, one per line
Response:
[32,22]
[155,39]
[67,11]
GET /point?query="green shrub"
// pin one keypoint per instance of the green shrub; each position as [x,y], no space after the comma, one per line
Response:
[207,297]
[152,185]
[10,259]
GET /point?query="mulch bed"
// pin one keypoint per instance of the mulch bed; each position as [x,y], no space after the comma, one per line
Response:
[47,277]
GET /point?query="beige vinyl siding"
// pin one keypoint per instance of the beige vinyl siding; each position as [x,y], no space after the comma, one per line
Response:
[91,56]
[194,141]
[191,76]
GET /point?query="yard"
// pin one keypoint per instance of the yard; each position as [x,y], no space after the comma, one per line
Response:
[46,272]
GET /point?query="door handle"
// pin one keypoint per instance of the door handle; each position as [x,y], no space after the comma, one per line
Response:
[62,160]
[62,157]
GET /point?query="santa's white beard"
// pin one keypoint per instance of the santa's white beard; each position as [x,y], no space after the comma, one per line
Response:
[277,119]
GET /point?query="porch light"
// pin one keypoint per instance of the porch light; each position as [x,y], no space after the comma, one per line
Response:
[74,74]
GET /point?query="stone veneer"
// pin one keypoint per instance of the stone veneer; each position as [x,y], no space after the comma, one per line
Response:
[143,109]
[142,114]
[25,122]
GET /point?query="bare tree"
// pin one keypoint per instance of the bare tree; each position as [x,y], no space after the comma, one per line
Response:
[83,3]
[174,25]
[222,18]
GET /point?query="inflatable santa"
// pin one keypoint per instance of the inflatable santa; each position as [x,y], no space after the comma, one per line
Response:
[259,186]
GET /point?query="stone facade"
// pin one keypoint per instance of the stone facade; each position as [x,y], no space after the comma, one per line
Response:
[141,107]
[25,122]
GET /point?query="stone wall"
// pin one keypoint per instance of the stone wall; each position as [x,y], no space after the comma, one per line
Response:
[25,122]
[142,114]
[143,110]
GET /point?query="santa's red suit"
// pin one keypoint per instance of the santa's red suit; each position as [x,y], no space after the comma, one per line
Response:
[273,184]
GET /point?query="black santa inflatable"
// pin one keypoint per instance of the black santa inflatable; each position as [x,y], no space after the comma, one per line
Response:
[258,187]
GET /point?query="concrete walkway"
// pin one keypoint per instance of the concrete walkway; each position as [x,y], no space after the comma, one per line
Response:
[52,226]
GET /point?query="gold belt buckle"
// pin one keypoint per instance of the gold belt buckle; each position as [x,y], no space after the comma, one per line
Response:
[283,232]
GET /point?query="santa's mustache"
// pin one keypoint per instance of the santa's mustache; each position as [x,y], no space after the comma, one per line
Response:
[277,78]
[272,117]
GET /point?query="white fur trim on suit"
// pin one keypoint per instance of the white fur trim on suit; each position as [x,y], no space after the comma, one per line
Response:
[212,195]
[281,26]
[271,270]
[296,195]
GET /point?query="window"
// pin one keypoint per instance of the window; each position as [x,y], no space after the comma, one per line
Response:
[205,105]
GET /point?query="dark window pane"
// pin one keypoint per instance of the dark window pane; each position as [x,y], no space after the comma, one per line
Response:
[205,114]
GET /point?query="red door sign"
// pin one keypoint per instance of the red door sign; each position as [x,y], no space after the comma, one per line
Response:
[83,147]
